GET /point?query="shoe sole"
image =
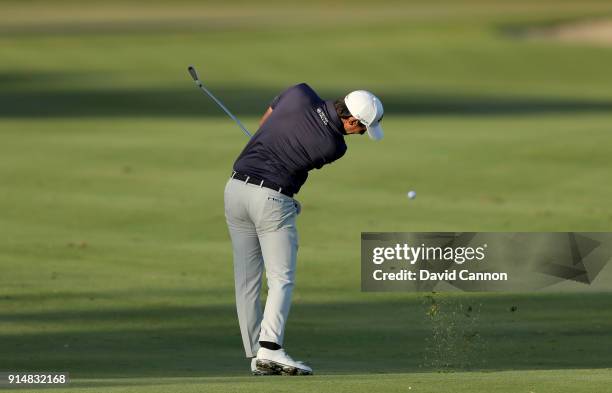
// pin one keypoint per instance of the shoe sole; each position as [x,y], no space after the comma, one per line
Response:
[262,373]
[280,369]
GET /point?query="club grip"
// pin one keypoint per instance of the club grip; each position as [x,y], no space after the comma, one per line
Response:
[193,73]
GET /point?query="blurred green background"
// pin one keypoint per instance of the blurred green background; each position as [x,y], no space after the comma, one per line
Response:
[114,256]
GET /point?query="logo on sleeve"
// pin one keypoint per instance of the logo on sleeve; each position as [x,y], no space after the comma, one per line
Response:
[322,116]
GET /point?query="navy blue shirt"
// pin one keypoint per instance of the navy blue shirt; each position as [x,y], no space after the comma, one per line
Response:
[303,132]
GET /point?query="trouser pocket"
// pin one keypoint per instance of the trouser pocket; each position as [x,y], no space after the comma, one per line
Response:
[278,212]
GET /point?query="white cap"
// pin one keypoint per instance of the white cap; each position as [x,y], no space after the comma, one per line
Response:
[367,108]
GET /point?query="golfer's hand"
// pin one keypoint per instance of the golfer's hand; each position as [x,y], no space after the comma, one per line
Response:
[298,206]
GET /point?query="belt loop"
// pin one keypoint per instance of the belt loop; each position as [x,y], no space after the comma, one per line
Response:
[261,184]
[246,181]
[233,174]
[280,189]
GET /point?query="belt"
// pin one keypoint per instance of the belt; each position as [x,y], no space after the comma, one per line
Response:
[261,183]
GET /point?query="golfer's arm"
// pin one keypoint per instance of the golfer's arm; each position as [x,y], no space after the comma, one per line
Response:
[265,116]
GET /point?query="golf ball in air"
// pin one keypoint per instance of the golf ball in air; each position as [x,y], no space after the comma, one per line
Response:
[411,194]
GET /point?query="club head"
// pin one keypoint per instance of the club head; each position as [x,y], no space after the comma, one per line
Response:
[193,73]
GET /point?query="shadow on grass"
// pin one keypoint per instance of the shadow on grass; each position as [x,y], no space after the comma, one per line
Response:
[45,96]
[519,332]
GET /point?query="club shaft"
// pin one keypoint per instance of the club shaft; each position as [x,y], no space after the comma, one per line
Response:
[205,90]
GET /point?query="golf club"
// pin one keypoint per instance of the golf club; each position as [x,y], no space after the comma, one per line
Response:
[194,75]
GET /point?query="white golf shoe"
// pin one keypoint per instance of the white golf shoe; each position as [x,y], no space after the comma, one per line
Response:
[279,362]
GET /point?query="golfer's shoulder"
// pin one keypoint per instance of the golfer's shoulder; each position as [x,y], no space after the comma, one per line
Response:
[302,88]
[299,94]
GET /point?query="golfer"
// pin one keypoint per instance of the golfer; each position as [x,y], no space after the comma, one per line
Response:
[297,133]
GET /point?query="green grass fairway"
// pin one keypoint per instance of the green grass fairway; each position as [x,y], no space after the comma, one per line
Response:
[115,262]
[569,381]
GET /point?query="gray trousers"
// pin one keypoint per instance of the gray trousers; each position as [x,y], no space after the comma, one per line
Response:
[262,227]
